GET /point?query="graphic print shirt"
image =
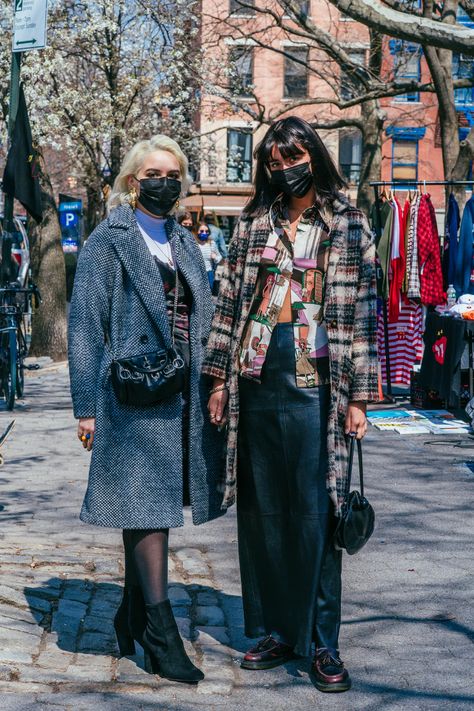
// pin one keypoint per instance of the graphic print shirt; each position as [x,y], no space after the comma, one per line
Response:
[300,266]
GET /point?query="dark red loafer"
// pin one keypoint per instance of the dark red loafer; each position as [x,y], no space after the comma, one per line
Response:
[267,654]
[328,671]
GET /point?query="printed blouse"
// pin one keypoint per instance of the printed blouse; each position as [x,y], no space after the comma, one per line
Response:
[300,266]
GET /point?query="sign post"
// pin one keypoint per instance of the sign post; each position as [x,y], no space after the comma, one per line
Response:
[29,32]
[30,25]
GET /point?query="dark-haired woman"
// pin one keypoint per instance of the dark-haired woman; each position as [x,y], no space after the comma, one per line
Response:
[292,354]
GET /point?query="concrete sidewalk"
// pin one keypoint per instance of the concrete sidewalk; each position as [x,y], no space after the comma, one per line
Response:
[409,621]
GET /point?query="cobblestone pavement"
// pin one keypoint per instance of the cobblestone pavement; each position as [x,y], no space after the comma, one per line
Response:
[408,633]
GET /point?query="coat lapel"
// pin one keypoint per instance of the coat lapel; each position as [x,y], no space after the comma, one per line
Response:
[141,268]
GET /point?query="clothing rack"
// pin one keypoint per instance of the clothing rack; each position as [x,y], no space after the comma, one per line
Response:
[405,185]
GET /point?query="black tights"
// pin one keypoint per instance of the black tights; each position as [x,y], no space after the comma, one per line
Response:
[146,562]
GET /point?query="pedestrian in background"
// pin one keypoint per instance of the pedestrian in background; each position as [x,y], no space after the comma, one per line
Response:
[209,251]
[185,219]
[293,355]
[217,235]
[138,274]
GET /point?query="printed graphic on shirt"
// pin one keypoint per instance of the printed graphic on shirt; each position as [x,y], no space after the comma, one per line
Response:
[301,268]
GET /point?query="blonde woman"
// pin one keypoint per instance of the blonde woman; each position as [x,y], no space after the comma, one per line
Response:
[138,274]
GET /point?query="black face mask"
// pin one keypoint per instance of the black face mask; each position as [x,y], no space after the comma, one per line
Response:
[295,181]
[158,195]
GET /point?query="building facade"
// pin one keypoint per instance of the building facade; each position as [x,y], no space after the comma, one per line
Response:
[257,70]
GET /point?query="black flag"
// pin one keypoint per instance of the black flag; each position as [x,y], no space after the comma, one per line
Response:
[20,179]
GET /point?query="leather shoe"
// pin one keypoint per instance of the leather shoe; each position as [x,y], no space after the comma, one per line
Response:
[267,654]
[328,671]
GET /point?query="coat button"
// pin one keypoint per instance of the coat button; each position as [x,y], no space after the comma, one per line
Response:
[333,323]
[144,338]
[204,341]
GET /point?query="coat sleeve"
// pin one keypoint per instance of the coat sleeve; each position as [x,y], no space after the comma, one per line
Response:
[364,384]
[89,323]
[217,359]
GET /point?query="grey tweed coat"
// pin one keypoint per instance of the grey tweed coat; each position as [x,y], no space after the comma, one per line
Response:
[118,309]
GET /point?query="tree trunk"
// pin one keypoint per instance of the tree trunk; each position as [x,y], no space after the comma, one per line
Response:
[49,326]
[371,163]
[95,211]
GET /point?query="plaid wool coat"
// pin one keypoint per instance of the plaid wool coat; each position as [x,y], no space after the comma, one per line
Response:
[349,313]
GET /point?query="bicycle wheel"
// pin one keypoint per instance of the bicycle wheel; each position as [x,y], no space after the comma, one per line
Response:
[20,367]
[10,379]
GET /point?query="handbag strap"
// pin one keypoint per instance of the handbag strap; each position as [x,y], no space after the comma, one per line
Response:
[351,461]
[176,298]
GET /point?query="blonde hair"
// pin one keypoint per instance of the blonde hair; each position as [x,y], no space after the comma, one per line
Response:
[120,194]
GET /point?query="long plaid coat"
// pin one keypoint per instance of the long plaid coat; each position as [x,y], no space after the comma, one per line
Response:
[349,313]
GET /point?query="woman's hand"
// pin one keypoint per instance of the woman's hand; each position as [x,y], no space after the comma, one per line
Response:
[85,432]
[356,421]
[217,404]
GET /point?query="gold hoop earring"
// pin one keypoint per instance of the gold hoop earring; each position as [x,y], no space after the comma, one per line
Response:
[133,198]
[176,205]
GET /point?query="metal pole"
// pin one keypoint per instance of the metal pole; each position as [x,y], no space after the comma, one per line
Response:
[8,224]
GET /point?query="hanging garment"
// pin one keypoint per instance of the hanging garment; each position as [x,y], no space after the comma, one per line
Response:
[405,343]
[384,247]
[453,218]
[397,262]
[412,270]
[406,226]
[464,280]
[429,259]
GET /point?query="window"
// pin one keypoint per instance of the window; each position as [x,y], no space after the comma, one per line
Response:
[350,155]
[348,78]
[406,64]
[241,70]
[404,160]
[239,155]
[463,68]
[296,73]
[242,7]
[303,7]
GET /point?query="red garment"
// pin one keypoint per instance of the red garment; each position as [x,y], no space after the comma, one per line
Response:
[429,259]
[397,265]
[405,343]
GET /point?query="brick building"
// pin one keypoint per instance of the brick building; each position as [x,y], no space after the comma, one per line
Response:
[236,43]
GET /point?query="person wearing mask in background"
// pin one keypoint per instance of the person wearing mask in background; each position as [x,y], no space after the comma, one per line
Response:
[293,357]
[140,281]
[217,235]
[185,219]
[209,250]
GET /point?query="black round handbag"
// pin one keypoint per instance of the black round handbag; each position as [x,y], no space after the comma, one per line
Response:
[152,377]
[356,523]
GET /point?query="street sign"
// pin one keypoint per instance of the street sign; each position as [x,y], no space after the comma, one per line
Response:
[68,219]
[75,205]
[29,25]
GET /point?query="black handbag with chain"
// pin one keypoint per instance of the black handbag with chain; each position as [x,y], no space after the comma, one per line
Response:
[356,524]
[152,377]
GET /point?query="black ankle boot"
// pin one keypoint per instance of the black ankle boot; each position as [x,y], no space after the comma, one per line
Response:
[164,649]
[130,620]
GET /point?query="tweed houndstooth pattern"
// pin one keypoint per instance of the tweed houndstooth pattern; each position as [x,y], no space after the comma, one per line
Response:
[349,314]
[118,310]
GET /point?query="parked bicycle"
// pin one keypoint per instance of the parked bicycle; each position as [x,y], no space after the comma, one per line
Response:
[15,305]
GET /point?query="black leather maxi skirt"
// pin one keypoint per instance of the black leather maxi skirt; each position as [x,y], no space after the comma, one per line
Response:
[290,570]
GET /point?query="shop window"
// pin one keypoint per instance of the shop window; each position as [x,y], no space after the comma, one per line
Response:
[244,7]
[404,160]
[296,73]
[406,65]
[348,78]
[239,155]
[350,155]
[241,70]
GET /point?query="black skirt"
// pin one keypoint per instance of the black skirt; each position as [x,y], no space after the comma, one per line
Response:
[290,570]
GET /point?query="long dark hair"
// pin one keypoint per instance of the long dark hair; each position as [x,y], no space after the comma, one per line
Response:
[288,135]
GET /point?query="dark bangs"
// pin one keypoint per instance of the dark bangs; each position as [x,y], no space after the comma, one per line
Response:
[289,135]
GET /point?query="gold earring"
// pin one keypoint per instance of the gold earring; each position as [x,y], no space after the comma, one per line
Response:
[176,205]
[133,198]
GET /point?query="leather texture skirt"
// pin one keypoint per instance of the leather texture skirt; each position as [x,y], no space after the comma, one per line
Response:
[290,570]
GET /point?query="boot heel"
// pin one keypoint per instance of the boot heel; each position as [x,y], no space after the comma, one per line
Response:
[148,661]
[125,644]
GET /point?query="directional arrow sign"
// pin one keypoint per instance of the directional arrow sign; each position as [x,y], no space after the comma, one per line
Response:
[29,25]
